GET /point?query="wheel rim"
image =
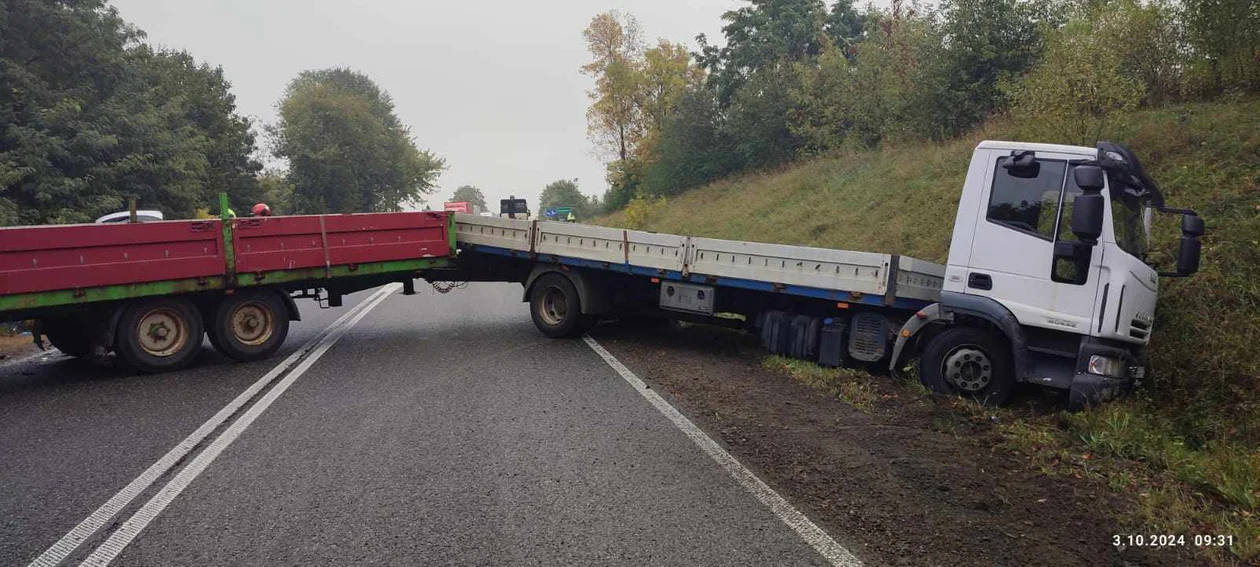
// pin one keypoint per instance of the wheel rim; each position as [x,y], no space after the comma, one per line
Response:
[968,368]
[252,323]
[162,332]
[555,306]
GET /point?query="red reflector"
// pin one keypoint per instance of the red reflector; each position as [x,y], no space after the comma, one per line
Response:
[921,315]
[656,280]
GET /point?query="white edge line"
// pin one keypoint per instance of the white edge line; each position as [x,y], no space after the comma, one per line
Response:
[124,535]
[832,551]
[97,519]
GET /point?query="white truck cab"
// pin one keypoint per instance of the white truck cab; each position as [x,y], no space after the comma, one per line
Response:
[1048,259]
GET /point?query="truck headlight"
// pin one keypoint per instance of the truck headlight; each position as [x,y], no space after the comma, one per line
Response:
[1106,366]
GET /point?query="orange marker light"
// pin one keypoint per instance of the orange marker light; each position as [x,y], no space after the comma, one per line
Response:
[656,280]
[842,305]
[905,334]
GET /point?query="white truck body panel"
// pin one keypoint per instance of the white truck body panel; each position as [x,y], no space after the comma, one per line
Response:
[821,268]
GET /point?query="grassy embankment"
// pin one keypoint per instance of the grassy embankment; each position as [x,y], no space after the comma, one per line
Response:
[1188,444]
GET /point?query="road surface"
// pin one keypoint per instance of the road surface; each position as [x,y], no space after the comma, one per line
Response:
[437,429]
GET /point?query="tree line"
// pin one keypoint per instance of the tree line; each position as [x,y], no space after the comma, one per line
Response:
[91,116]
[798,78]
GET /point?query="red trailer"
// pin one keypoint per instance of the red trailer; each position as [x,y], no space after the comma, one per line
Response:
[148,291]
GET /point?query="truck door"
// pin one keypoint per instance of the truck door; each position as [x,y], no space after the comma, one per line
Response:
[1028,211]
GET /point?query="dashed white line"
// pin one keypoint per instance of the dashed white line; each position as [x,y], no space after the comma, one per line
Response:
[98,519]
[832,551]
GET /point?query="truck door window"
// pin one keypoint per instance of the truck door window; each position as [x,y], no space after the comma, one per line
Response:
[1029,205]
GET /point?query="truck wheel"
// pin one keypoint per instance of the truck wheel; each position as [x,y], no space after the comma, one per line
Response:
[159,335]
[68,337]
[249,326]
[968,362]
[556,308]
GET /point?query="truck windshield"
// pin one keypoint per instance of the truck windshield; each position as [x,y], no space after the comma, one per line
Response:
[1128,218]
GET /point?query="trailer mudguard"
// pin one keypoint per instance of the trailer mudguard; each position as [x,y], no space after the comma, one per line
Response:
[591,297]
[290,306]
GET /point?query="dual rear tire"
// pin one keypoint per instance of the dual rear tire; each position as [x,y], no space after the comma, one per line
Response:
[165,334]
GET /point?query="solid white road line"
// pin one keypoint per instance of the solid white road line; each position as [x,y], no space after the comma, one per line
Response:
[811,533]
[124,535]
[76,536]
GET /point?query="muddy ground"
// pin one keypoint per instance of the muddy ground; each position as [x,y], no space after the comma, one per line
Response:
[910,483]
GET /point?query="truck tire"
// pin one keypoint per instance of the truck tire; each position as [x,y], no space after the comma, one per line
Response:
[159,335]
[968,362]
[556,308]
[69,338]
[249,326]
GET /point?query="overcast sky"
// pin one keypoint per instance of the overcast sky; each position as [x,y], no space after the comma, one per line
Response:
[493,87]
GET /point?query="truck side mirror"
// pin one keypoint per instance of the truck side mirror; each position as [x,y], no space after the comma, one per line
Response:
[1192,225]
[1188,256]
[1087,216]
[1089,206]
[1188,253]
[1089,178]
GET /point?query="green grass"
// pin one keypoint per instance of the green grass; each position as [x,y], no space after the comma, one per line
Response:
[852,386]
[1191,437]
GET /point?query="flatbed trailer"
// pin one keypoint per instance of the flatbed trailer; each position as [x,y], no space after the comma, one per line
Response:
[815,303]
[149,290]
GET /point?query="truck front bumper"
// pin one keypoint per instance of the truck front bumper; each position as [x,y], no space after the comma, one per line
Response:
[1089,388]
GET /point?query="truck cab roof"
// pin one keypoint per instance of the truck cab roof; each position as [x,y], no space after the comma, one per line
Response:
[1026,146]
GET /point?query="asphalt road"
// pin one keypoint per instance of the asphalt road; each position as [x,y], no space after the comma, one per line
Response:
[441,429]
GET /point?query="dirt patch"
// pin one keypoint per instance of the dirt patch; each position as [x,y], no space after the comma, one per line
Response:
[15,346]
[912,482]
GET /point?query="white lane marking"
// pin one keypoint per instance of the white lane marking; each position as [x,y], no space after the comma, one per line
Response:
[76,536]
[124,535]
[811,533]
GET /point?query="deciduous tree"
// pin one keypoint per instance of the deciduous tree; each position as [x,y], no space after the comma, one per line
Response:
[347,150]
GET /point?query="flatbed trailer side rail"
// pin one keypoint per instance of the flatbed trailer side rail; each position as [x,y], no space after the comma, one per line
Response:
[835,275]
[84,264]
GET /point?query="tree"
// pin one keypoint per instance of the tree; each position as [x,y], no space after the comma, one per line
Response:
[89,116]
[473,196]
[1079,84]
[761,36]
[347,150]
[614,118]
[692,149]
[277,192]
[985,41]
[565,193]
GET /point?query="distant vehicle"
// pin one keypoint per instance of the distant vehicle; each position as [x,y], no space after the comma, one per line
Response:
[125,216]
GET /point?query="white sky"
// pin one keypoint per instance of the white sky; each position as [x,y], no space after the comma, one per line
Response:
[493,87]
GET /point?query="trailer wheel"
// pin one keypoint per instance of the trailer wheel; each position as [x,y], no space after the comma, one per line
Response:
[69,338]
[968,362]
[556,308]
[159,335]
[249,326]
